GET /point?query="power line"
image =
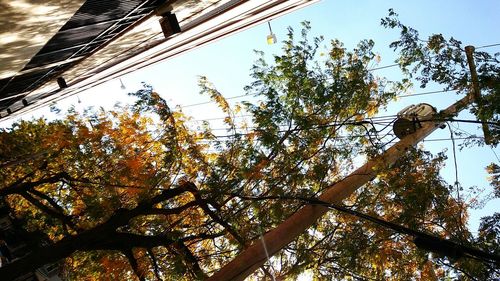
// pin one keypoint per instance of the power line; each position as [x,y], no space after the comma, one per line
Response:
[360,136]
[488,46]
[425,93]
[396,64]
[383,67]
[246,95]
[208,102]
[423,240]
[461,121]
[222,118]
[353,123]
[448,139]
[320,126]
[384,117]
[372,69]
[492,150]
[439,139]
[454,158]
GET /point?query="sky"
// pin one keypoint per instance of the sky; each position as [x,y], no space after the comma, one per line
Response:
[227,62]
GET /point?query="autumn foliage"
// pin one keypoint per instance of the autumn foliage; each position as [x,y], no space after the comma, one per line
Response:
[139,193]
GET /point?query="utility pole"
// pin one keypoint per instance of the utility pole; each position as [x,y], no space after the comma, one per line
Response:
[256,254]
[475,93]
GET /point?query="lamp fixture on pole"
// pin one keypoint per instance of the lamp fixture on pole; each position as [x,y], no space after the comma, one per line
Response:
[271,38]
[122,86]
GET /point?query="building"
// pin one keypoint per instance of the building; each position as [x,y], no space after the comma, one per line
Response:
[14,245]
[62,47]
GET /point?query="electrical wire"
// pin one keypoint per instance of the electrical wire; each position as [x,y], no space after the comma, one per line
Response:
[497,124]
[496,155]
[488,46]
[389,118]
[76,91]
[457,183]
[425,93]
[217,137]
[329,125]
[383,67]
[448,139]
[396,64]
[208,102]
[430,241]
[245,95]
[353,123]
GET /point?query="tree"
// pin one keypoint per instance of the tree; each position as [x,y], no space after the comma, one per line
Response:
[136,193]
[443,61]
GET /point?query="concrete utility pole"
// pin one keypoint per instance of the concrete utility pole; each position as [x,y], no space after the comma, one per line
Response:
[255,255]
[475,91]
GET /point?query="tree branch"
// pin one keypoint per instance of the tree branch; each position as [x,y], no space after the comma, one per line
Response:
[190,260]
[204,205]
[133,263]
[155,263]
[103,236]
[49,211]
[48,199]
[171,211]
[18,187]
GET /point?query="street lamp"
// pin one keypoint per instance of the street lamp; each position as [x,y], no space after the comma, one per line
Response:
[271,38]
[122,86]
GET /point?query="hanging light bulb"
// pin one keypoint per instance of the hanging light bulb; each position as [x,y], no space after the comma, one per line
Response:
[122,86]
[271,38]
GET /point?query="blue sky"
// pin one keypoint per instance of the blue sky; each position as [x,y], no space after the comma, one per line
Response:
[227,62]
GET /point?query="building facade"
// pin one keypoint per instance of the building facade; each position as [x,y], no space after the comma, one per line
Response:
[95,41]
